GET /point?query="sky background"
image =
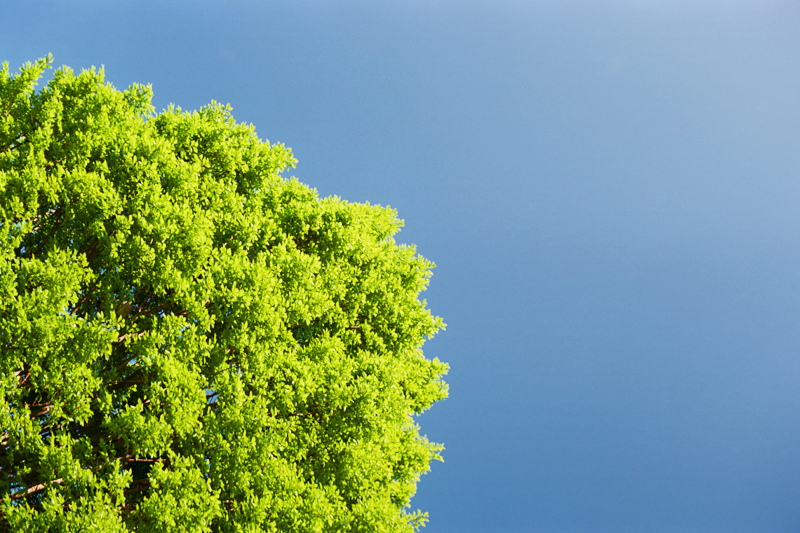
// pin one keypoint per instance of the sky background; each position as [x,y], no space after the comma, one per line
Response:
[610,191]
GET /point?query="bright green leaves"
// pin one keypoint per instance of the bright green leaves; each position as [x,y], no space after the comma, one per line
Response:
[190,342]
[16,93]
[91,514]
[181,500]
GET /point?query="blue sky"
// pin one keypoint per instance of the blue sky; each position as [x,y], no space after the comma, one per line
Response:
[610,190]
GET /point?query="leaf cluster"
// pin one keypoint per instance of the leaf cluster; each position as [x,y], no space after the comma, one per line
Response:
[190,341]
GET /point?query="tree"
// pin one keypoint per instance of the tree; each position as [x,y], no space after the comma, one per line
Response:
[189,341]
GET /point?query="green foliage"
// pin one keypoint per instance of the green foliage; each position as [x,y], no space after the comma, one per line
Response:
[189,341]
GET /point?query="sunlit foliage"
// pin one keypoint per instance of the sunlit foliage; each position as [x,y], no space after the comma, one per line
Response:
[188,340]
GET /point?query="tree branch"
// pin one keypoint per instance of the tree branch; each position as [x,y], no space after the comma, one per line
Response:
[34,489]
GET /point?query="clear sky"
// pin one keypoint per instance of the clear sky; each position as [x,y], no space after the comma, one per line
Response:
[610,190]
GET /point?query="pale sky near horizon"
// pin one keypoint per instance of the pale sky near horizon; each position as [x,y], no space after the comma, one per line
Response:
[610,191]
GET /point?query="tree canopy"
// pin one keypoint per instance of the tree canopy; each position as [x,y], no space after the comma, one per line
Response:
[190,341]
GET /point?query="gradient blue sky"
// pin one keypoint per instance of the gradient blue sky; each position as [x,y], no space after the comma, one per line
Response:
[610,190]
